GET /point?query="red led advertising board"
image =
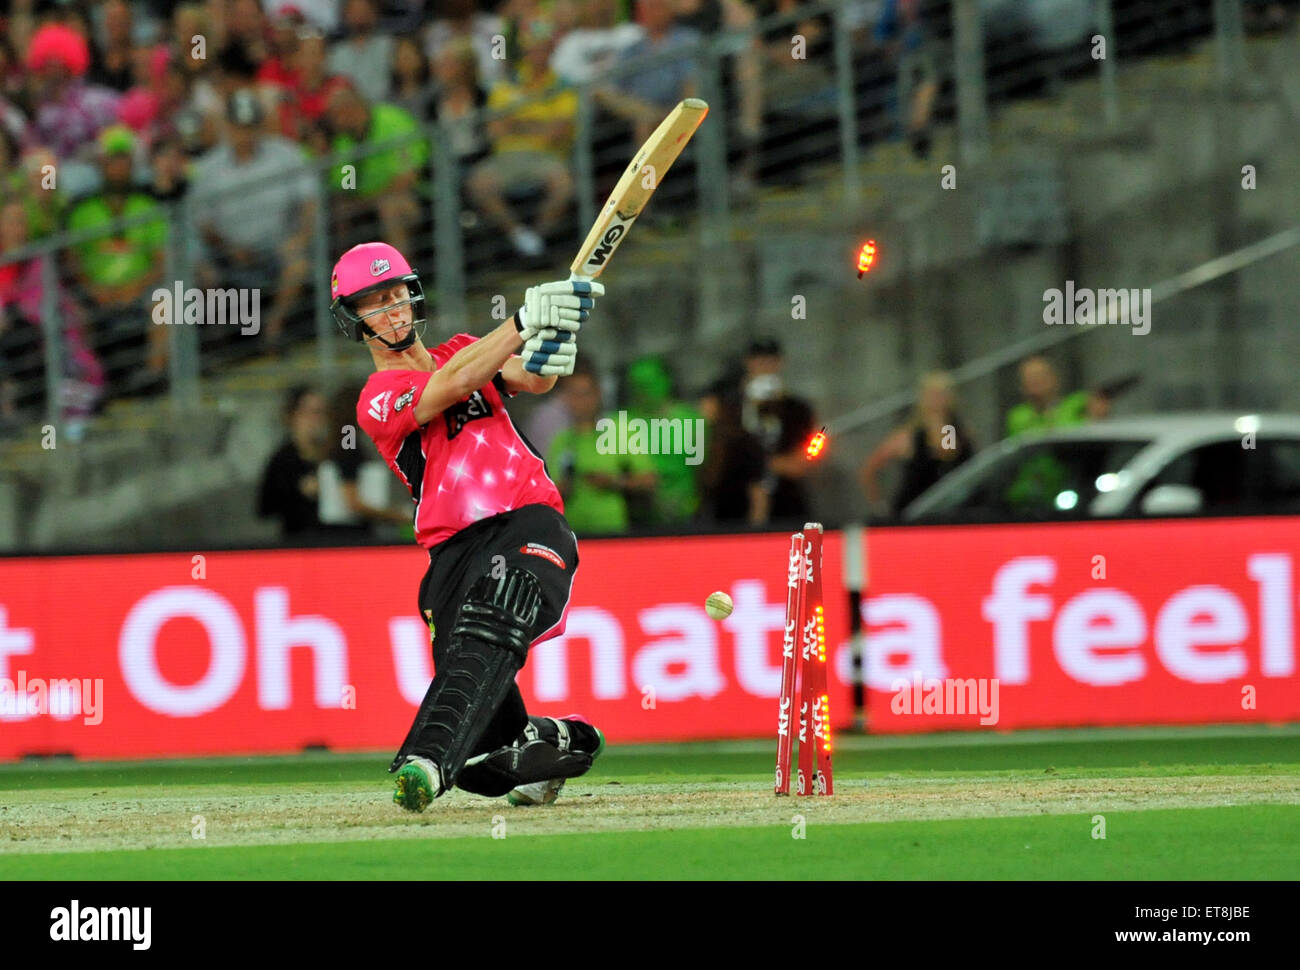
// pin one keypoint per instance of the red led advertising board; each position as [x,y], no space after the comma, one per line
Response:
[991,627]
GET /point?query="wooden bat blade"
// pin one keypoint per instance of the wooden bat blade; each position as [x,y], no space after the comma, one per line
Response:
[638,182]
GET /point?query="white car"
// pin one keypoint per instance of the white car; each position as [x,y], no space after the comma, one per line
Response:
[1181,464]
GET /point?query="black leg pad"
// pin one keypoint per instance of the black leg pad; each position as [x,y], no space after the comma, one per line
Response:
[545,749]
[487,647]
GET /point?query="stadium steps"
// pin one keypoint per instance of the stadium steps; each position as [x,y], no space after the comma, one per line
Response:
[140,465]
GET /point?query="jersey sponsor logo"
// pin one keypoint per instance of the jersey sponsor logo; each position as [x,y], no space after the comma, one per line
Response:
[379,267]
[463,412]
[544,552]
[404,400]
[379,405]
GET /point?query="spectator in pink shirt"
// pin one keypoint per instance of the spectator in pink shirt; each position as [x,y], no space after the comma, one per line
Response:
[22,332]
[151,108]
[72,112]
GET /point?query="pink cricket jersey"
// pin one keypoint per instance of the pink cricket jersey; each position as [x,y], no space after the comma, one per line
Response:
[466,464]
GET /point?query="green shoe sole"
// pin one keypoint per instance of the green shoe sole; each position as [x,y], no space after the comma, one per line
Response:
[414,791]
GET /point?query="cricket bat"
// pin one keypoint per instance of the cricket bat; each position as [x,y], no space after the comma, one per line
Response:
[639,181]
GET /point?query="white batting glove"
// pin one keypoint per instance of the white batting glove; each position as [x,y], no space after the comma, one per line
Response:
[563,305]
[551,352]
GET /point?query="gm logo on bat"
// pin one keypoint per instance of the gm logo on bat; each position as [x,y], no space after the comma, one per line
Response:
[607,244]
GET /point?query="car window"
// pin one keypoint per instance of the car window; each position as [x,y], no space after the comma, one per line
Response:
[1223,472]
[1279,487]
[1049,479]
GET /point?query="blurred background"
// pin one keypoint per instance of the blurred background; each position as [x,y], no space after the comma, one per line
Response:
[993,150]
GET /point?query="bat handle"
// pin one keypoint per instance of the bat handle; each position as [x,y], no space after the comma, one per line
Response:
[579,278]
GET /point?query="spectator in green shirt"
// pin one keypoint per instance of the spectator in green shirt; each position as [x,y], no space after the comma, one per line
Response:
[1041,478]
[1043,407]
[649,388]
[119,270]
[595,485]
[25,175]
[383,185]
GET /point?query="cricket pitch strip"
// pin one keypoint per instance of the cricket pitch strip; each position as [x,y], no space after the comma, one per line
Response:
[90,820]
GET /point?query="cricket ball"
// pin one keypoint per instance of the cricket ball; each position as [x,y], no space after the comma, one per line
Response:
[718,606]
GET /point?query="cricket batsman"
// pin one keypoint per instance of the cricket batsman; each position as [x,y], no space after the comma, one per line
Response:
[501,556]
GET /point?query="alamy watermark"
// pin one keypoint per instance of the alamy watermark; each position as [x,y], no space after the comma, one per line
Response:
[193,306]
[651,436]
[973,695]
[1087,307]
[75,923]
[61,699]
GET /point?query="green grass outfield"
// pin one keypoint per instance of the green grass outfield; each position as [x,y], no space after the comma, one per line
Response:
[1195,803]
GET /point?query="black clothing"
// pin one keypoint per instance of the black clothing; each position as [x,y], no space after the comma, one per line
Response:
[736,461]
[281,494]
[349,462]
[535,538]
[707,19]
[120,79]
[22,360]
[925,468]
[817,50]
[786,423]
[175,193]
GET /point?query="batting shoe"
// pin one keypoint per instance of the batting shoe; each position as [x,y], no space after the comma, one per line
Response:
[418,783]
[546,792]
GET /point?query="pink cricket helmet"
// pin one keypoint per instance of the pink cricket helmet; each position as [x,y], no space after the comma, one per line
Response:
[364,269]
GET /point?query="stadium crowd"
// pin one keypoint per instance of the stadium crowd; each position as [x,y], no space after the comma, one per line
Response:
[733,457]
[117,111]
[222,109]
[752,471]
